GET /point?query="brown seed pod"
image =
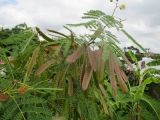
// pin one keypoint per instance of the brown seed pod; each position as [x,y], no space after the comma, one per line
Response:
[118,73]
[75,55]
[21,90]
[87,77]
[103,90]
[125,78]
[32,61]
[112,77]
[91,58]
[43,67]
[4,97]
[100,64]
[70,87]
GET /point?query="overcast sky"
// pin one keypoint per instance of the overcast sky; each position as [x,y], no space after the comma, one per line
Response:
[142,16]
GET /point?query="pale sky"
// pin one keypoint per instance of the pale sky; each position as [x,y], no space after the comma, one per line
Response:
[142,16]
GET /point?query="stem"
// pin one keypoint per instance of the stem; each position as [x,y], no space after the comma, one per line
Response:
[19,108]
[115,9]
[46,89]
[65,72]
[29,40]
[38,83]
[25,78]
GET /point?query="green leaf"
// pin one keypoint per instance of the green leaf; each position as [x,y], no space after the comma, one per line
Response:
[138,92]
[151,71]
[56,32]
[43,35]
[133,40]
[153,104]
[133,57]
[154,63]
[151,79]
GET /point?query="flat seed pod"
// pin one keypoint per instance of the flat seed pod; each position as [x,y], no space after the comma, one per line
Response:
[122,84]
[98,53]
[75,55]
[3,97]
[70,87]
[99,65]
[103,90]
[112,77]
[118,72]
[44,66]
[103,102]
[87,77]
[22,89]
[40,58]
[125,78]
[82,72]
[53,47]
[92,59]
[32,61]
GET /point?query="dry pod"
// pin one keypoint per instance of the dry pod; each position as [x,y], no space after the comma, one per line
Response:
[91,58]
[70,87]
[75,55]
[116,72]
[3,97]
[22,89]
[33,60]
[44,66]
[87,77]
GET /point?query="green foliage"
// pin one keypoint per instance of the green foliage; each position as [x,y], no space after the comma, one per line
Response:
[27,107]
[133,40]
[17,37]
[150,108]
[73,77]
[154,63]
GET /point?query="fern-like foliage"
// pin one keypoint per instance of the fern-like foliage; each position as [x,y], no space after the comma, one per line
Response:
[28,107]
[19,38]
[150,108]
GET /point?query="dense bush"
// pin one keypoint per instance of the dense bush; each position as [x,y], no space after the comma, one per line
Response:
[75,77]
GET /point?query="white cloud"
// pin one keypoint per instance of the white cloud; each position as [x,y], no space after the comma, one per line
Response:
[46,13]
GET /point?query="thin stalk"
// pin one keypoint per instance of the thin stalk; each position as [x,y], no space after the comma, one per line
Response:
[52,89]
[29,40]
[25,78]
[115,9]
[19,108]
[65,72]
